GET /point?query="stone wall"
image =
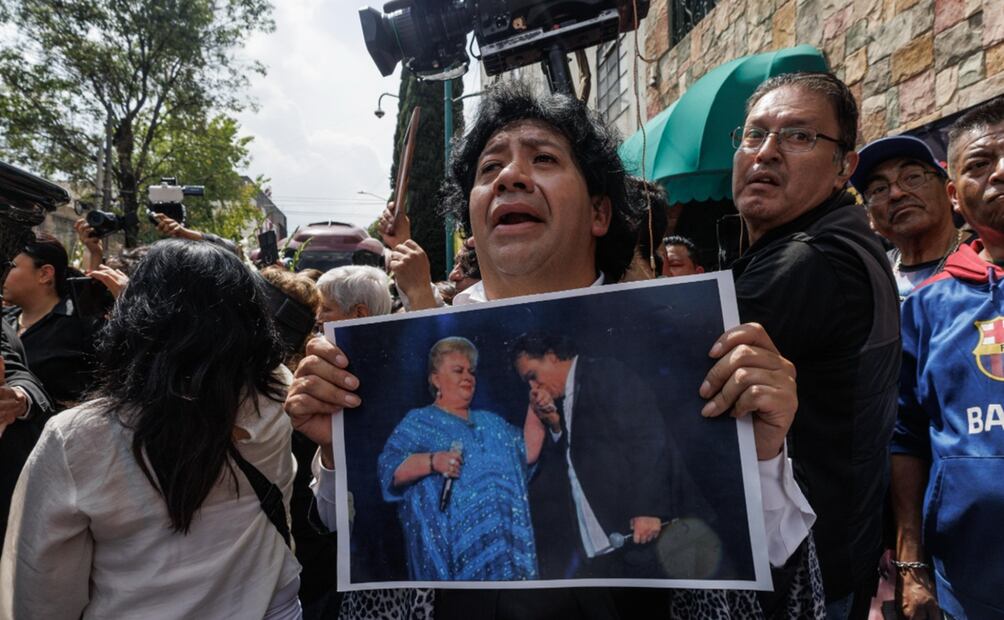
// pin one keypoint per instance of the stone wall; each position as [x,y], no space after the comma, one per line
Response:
[908,62]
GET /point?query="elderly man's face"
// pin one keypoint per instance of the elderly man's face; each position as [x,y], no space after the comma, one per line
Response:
[977,186]
[907,212]
[331,311]
[530,209]
[772,187]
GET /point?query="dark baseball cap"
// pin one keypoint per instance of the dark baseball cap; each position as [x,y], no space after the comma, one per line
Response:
[875,153]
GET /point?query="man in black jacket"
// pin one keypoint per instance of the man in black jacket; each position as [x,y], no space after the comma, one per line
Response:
[587,489]
[817,279]
[24,408]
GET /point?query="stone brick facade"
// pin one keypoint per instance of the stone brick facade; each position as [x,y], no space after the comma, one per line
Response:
[908,62]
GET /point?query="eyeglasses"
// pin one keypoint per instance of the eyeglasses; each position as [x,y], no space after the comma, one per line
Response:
[789,139]
[877,192]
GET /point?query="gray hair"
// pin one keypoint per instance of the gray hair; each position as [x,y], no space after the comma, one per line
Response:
[351,285]
[453,344]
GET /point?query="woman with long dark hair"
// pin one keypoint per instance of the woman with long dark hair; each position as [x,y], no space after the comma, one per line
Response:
[140,503]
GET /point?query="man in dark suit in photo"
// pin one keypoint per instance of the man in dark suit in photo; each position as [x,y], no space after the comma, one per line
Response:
[603,465]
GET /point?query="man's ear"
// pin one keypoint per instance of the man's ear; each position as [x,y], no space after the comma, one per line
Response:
[601,215]
[46,274]
[360,311]
[953,197]
[847,165]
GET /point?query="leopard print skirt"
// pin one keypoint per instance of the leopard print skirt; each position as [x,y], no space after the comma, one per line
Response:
[399,604]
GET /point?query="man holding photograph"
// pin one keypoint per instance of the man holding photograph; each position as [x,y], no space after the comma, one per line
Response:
[549,217]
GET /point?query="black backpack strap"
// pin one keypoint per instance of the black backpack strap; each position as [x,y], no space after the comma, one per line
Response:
[269,495]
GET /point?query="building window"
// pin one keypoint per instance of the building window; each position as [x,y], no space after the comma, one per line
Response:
[685,14]
[609,93]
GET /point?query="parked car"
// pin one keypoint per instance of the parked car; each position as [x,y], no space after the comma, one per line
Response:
[331,244]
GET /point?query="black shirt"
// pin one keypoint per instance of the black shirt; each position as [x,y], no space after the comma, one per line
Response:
[822,287]
[60,351]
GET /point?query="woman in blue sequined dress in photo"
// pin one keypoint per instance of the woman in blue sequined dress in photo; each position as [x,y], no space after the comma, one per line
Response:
[484,530]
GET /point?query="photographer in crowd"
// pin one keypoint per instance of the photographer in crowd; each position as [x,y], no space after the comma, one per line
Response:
[170,228]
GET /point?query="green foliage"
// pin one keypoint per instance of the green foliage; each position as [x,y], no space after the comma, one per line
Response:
[299,252]
[427,227]
[374,229]
[79,70]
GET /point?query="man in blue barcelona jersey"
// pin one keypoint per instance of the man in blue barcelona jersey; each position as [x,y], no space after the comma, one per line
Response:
[948,447]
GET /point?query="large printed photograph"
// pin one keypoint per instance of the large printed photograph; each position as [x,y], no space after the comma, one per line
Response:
[554,440]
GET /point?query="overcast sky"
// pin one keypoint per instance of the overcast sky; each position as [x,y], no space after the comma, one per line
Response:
[315,134]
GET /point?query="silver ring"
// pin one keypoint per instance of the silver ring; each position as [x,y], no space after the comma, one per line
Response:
[453,461]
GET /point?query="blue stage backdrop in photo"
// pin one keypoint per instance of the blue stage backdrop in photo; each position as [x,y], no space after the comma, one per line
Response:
[662,333]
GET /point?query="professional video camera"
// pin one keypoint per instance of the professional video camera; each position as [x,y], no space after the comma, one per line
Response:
[167,198]
[24,201]
[430,36]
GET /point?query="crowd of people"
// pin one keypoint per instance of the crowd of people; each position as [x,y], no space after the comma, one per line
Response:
[171,455]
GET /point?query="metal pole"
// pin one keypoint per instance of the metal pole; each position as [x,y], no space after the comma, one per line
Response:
[106,178]
[448,136]
[559,76]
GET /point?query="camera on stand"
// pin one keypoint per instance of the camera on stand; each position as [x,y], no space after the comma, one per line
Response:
[168,199]
[430,36]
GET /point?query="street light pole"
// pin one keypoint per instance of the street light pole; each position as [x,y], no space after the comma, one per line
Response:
[379,111]
[385,200]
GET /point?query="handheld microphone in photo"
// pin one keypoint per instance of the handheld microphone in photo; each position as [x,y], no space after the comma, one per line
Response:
[618,540]
[457,447]
[686,548]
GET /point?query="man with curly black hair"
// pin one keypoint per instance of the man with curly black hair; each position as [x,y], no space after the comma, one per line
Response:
[552,228]
[538,182]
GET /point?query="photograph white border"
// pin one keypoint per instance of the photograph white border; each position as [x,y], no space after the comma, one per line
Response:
[744,430]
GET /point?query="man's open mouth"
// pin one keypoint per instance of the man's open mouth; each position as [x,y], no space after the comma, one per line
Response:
[517,218]
[511,215]
[764,178]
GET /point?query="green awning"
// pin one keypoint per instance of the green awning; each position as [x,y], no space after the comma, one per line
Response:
[687,145]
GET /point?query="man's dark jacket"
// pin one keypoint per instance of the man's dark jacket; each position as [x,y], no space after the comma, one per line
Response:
[19,438]
[822,287]
[618,449]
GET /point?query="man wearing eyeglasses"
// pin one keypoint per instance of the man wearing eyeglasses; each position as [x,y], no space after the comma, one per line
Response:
[818,280]
[904,190]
